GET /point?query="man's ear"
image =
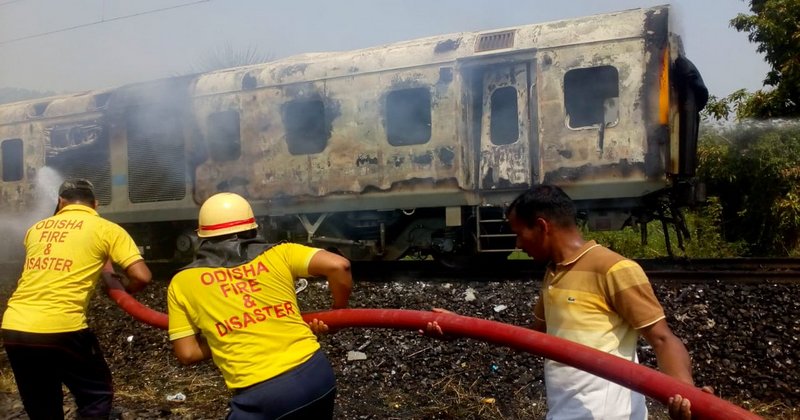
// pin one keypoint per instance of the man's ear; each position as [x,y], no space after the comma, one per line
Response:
[543,224]
[95,204]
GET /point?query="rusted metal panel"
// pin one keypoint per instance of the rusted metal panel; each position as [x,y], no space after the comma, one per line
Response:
[357,157]
[656,36]
[351,84]
[75,125]
[590,154]
[17,196]
[73,118]
[15,113]
[70,106]
[54,106]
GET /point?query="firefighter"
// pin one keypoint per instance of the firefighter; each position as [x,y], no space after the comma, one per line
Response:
[236,304]
[45,333]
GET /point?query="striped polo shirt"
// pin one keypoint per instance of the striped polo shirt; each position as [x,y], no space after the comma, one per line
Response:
[597,298]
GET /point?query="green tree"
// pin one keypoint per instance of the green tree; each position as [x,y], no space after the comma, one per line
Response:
[774,27]
[753,167]
[754,171]
[736,104]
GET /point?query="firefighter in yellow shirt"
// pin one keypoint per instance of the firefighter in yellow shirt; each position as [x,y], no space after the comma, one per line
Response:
[236,304]
[45,333]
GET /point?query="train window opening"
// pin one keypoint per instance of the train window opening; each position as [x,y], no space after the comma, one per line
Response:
[305,127]
[504,120]
[224,141]
[591,96]
[408,116]
[101,100]
[74,135]
[82,151]
[38,109]
[12,159]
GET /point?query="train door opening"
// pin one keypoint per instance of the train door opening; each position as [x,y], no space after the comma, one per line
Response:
[505,149]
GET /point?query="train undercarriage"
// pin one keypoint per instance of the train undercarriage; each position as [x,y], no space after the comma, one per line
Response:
[455,236]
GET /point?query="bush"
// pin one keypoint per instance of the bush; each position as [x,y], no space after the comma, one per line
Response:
[754,169]
[706,240]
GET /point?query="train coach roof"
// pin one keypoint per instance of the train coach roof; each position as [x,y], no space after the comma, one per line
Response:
[53,106]
[424,51]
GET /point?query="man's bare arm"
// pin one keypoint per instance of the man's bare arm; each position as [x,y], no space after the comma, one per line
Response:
[191,349]
[671,354]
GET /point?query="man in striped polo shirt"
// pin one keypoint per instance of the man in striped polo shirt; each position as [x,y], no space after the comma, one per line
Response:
[596,297]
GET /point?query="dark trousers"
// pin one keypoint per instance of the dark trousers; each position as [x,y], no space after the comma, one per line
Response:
[305,392]
[42,362]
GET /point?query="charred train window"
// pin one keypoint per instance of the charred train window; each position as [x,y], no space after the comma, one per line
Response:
[591,95]
[81,150]
[224,143]
[504,121]
[408,116]
[305,127]
[70,137]
[12,159]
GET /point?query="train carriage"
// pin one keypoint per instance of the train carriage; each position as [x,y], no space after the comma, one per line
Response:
[412,148]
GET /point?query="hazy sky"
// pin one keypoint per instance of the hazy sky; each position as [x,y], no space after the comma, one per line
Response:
[170,42]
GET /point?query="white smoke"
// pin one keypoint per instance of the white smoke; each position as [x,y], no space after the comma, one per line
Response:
[14,225]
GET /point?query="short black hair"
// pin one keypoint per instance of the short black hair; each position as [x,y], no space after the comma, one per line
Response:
[77,190]
[546,201]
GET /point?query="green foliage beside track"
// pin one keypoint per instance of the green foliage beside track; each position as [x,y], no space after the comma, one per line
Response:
[754,169]
[705,227]
[706,240]
[752,174]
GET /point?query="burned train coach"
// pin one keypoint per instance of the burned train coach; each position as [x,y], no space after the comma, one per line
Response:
[412,148]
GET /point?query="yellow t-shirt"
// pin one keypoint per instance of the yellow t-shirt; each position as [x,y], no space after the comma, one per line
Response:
[248,314]
[64,256]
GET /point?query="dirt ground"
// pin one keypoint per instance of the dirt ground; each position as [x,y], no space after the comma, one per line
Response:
[743,340]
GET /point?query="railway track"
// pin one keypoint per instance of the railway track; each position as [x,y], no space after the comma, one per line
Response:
[778,270]
[734,270]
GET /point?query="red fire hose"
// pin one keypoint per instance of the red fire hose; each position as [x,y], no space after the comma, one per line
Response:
[631,375]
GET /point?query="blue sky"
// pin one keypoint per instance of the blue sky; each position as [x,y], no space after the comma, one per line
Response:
[170,42]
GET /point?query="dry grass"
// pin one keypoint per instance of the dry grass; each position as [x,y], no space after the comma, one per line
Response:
[774,410]
[453,398]
[7,383]
[769,411]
